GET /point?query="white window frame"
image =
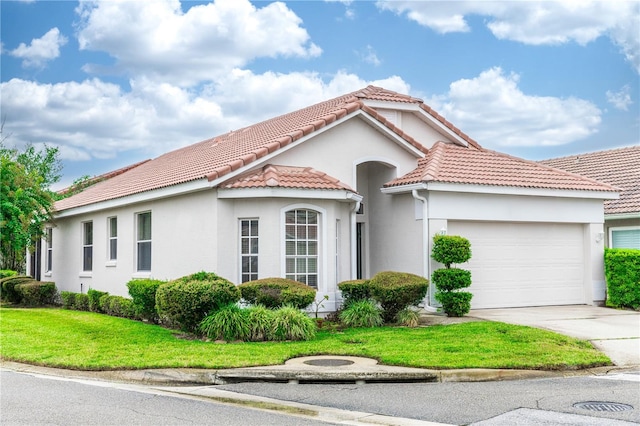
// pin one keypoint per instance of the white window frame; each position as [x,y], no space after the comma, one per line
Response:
[321,265]
[140,241]
[112,240]
[49,252]
[249,252]
[620,228]
[87,245]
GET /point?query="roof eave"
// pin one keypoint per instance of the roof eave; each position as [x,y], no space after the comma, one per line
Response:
[279,192]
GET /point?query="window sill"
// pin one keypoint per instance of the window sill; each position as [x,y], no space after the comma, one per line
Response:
[141,274]
[111,263]
[48,274]
[85,274]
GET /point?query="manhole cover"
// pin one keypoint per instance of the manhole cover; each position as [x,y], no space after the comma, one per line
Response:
[602,406]
[329,362]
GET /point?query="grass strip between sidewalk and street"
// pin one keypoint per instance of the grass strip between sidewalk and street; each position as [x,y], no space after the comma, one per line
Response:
[90,341]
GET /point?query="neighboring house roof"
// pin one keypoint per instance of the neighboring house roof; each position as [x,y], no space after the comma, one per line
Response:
[619,167]
[448,163]
[286,177]
[217,157]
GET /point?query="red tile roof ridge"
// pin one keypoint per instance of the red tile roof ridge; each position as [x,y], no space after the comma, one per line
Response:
[593,153]
[272,175]
[450,126]
[434,160]
[395,129]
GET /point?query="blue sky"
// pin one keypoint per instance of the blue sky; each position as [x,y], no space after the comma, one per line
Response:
[112,83]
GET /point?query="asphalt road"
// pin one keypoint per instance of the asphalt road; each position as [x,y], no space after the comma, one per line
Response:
[507,402]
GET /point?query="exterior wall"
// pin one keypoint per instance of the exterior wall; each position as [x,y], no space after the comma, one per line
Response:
[183,241]
[445,206]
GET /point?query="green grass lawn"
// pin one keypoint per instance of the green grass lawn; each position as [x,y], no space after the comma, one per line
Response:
[89,341]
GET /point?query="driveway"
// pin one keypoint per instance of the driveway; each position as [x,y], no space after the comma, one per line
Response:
[614,332]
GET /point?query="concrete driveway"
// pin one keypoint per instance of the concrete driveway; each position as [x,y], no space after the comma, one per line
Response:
[614,332]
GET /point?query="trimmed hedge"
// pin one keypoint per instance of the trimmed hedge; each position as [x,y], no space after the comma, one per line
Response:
[277,292]
[354,291]
[622,270]
[8,287]
[396,291]
[143,294]
[81,302]
[449,249]
[37,293]
[94,299]
[117,306]
[451,279]
[68,299]
[185,302]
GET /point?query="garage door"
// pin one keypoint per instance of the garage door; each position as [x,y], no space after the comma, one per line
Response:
[523,264]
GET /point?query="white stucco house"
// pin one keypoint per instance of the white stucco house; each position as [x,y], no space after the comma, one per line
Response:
[339,190]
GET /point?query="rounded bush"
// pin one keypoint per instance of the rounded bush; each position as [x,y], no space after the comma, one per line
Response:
[396,291]
[277,292]
[451,279]
[354,290]
[117,306]
[361,313]
[450,249]
[8,287]
[37,293]
[290,323]
[94,299]
[227,323]
[455,303]
[184,303]
[143,295]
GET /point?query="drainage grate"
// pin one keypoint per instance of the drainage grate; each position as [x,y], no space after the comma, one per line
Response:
[331,362]
[603,406]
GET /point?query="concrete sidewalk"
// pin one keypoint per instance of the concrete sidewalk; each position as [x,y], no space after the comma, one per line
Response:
[615,332]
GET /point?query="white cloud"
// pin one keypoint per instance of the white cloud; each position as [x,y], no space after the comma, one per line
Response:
[156,39]
[94,119]
[494,111]
[535,22]
[41,49]
[369,56]
[620,99]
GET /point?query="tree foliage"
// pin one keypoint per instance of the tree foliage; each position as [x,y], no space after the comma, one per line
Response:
[26,202]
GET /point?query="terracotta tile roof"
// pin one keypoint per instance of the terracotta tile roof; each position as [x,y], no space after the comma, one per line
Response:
[286,177]
[223,154]
[105,176]
[618,167]
[448,163]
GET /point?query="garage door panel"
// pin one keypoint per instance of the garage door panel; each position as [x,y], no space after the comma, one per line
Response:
[524,264]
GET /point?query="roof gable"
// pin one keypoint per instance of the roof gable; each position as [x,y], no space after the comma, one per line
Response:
[271,176]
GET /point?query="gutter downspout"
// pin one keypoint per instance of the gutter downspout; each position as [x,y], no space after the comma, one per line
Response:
[354,211]
[425,247]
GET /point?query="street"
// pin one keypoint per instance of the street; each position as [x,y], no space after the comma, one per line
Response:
[29,399]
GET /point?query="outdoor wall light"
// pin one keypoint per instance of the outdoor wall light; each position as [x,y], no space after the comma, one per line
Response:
[599,237]
[443,231]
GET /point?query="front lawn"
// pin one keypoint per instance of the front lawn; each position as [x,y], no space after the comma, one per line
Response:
[89,341]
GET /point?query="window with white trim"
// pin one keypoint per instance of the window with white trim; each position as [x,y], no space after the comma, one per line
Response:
[625,237]
[49,259]
[143,241]
[112,225]
[301,246]
[87,246]
[248,250]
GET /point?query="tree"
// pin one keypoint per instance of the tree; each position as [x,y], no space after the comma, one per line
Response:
[26,202]
[450,249]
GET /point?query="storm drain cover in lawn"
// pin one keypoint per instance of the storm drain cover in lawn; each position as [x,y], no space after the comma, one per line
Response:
[603,406]
[328,362]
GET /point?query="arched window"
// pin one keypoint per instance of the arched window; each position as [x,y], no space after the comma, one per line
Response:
[301,246]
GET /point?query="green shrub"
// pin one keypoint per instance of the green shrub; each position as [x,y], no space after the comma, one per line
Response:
[8,287]
[277,292]
[5,273]
[143,293]
[117,306]
[450,249]
[396,291]
[290,323]
[94,299]
[455,303]
[408,318]
[227,323]
[81,302]
[37,293]
[451,279]
[622,270]
[184,303]
[68,299]
[261,322]
[354,290]
[361,313]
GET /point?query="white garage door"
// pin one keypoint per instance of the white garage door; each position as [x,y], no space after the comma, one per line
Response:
[523,264]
